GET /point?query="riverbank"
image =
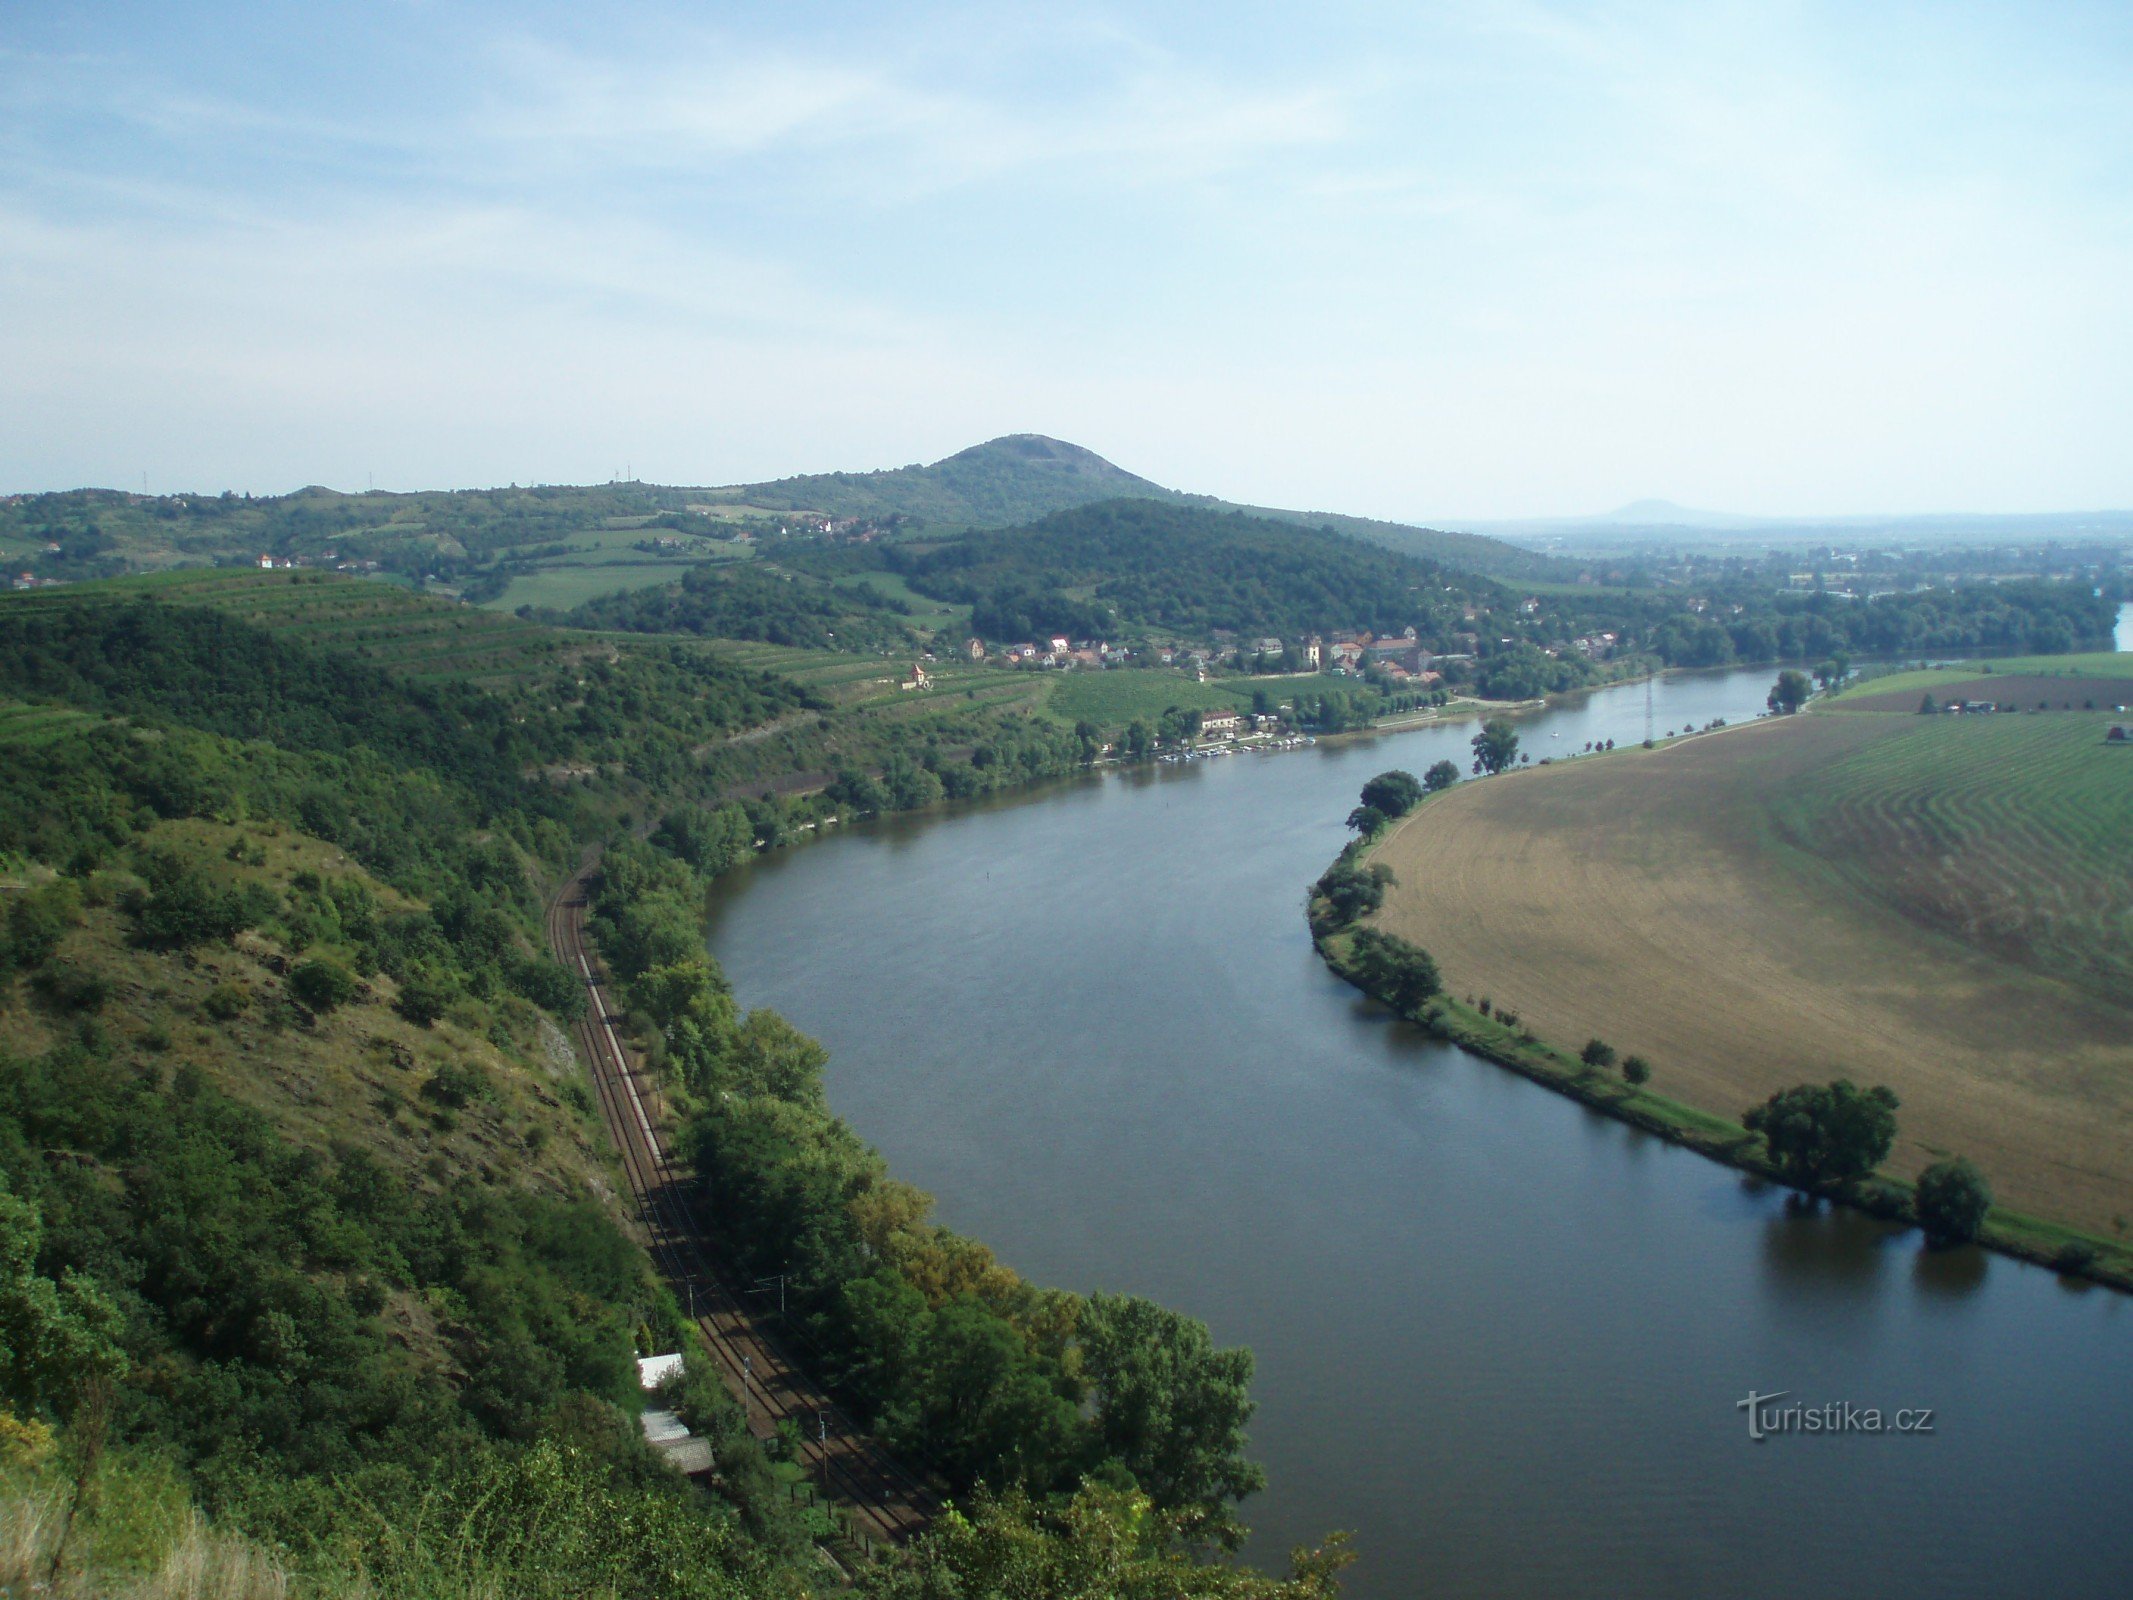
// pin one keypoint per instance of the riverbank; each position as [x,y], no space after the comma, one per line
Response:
[1504,918]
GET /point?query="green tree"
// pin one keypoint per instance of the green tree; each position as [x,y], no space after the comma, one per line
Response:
[1393,793]
[1636,1070]
[423,999]
[1351,891]
[1366,820]
[37,921]
[1826,1133]
[1597,1054]
[1953,1198]
[1440,777]
[1105,1543]
[322,984]
[54,1337]
[1926,706]
[1790,692]
[1495,746]
[1397,971]
[1171,1408]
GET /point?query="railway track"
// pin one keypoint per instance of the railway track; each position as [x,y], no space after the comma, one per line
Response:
[882,1500]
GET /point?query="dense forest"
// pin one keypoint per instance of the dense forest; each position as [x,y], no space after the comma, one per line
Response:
[1142,564]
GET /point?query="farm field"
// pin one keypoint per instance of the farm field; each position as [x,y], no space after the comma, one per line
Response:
[1113,699]
[852,680]
[926,612]
[605,562]
[1938,904]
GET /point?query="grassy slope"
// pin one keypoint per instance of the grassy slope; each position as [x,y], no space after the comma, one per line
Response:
[1743,945]
[350,1077]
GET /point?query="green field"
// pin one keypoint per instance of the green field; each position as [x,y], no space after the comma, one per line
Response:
[1113,699]
[926,612]
[560,585]
[26,727]
[2010,832]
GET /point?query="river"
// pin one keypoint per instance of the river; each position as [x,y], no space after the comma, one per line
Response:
[1500,1337]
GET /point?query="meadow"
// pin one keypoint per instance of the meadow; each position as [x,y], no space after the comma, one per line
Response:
[1113,699]
[1938,904]
[606,561]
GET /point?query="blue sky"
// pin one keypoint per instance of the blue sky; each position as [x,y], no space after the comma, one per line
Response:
[1432,262]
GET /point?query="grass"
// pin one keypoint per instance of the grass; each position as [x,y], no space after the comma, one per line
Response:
[26,727]
[349,1078]
[1935,904]
[560,585]
[2007,832]
[926,612]
[1113,699]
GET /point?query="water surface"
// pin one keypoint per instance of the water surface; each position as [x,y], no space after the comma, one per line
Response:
[1500,1337]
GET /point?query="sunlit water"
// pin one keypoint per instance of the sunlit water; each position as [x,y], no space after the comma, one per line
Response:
[1500,1337]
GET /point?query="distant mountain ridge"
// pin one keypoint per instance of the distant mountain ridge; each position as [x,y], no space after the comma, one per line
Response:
[1660,522]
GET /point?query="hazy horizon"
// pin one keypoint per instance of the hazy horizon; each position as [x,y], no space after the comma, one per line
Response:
[1778,519]
[1480,263]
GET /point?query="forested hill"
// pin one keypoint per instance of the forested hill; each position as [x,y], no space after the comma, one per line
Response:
[1025,476]
[1186,570]
[1017,478]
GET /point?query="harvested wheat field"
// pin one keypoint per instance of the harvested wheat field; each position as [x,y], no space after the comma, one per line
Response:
[1943,905]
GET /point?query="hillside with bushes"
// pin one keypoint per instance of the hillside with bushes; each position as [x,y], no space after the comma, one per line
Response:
[307,1226]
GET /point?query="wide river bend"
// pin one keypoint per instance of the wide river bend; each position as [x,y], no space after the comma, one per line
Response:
[1499,1336]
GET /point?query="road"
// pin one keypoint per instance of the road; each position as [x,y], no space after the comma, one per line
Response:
[880,1498]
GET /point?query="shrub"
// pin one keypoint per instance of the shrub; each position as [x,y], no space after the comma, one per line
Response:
[2074,1257]
[422,1000]
[63,986]
[1597,1054]
[1952,1198]
[455,1085]
[225,1001]
[322,984]
[1635,1069]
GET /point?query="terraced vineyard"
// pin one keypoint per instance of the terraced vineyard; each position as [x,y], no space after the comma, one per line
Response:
[381,623]
[2011,832]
